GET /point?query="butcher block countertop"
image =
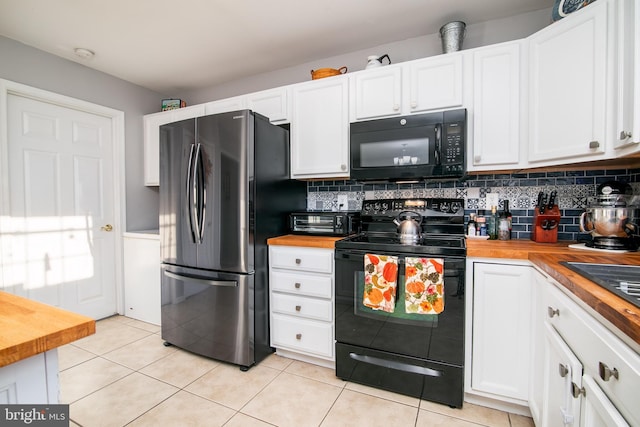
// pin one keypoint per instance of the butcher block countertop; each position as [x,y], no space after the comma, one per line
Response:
[28,328]
[616,310]
[306,241]
[547,257]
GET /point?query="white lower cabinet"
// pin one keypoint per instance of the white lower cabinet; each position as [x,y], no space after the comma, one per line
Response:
[301,303]
[142,276]
[498,330]
[31,381]
[602,372]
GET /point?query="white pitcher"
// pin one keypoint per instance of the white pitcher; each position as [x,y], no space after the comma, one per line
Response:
[374,61]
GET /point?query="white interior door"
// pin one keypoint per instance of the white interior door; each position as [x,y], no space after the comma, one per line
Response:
[58,238]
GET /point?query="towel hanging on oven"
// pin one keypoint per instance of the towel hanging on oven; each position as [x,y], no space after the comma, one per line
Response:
[424,285]
[380,278]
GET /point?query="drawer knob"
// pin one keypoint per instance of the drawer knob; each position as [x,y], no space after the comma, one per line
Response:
[577,391]
[298,261]
[594,144]
[298,308]
[298,336]
[606,373]
[563,370]
[297,285]
[553,311]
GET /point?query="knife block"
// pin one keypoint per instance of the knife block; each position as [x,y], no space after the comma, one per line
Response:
[545,225]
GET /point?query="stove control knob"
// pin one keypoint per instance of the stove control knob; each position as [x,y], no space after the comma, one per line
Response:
[385,207]
[376,207]
[455,207]
[444,207]
[366,207]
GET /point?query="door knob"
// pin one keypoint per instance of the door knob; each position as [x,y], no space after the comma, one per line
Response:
[107,227]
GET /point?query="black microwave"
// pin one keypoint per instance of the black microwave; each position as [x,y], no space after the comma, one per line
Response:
[409,148]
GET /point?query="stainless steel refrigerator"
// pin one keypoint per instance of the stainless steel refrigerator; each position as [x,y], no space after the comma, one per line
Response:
[224,190]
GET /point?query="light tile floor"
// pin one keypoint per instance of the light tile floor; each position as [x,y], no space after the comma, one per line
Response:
[124,375]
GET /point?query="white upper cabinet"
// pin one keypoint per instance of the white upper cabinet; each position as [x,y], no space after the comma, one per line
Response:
[320,129]
[628,84]
[434,83]
[496,121]
[570,76]
[376,93]
[225,105]
[152,123]
[273,103]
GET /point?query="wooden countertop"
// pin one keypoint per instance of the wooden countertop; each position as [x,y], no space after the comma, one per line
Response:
[622,314]
[547,257]
[29,327]
[512,249]
[304,240]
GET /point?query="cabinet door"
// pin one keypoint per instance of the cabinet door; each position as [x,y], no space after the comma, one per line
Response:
[536,380]
[496,107]
[142,278]
[568,87]
[501,329]
[597,410]
[273,104]
[562,370]
[320,129]
[376,93]
[435,83]
[628,78]
[152,123]
[225,105]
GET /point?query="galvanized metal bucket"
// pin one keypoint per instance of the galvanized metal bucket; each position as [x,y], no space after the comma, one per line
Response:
[452,35]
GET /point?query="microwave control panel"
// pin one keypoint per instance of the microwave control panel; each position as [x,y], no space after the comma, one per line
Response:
[453,148]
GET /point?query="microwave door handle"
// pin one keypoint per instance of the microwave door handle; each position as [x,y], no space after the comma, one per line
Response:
[438,144]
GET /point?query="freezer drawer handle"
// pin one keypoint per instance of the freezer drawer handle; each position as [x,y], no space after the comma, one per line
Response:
[396,365]
[227,283]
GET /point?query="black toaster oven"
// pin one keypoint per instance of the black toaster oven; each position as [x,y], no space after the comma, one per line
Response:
[324,223]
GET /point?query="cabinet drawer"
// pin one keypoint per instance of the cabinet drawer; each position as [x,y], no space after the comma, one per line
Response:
[302,306]
[598,349]
[313,285]
[302,335]
[303,259]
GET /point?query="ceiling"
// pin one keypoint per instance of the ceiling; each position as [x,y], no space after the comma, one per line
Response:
[168,45]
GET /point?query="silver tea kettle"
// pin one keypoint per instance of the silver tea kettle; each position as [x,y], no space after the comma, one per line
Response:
[374,61]
[408,228]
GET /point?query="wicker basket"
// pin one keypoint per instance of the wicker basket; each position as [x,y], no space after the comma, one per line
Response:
[327,72]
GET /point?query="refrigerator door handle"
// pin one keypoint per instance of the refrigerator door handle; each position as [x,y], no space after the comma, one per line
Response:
[226,283]
[202,194]
[195,201]
[190,193]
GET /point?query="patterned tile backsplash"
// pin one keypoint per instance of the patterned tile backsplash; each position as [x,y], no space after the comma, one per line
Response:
[521,189]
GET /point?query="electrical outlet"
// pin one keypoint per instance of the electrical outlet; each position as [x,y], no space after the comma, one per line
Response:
[343,202]
[492,199]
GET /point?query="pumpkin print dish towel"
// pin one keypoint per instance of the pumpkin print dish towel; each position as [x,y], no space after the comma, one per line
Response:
[380,277]
[424,285]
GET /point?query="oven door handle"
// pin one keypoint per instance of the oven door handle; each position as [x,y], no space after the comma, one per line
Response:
[358,256]
[399,366]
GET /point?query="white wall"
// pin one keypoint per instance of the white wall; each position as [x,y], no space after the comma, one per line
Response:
[481,34]
[23,64]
